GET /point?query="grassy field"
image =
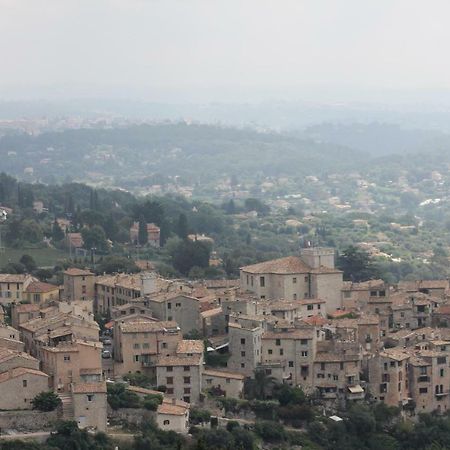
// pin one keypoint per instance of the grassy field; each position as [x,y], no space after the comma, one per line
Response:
[44,257]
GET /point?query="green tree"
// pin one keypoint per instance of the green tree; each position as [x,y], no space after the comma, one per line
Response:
[357,265]
[189,254]
[94,237]
[46,401]
[142,231]
[182,226]
[57,232]
[28,262]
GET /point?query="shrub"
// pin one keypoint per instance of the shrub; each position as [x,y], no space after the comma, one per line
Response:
[46,401]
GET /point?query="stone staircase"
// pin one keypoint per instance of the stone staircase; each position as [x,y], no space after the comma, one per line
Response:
[66,406]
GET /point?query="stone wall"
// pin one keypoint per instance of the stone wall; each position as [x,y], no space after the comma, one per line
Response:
[27,421]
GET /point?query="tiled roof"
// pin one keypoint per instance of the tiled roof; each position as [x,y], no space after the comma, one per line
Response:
[296,333]
[147,326]
[13,278]
[287,265]
[7,354]
[87,388]
[363,285]
[194,360]
[173,410]
[190,346]
[211,312]
[19,371]
[74,271]
[222,374]
[26,307]
[39,286]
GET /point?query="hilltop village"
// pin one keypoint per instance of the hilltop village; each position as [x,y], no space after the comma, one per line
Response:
[291,320]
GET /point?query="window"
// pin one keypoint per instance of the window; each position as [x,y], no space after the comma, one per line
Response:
[164,345]
[392,363]
[169,305]
[322,366]
[423,390]
[270,351]
[278,342]
[136,345]
[318,306]
[304,353]
[66,357]
[382,293]
[306,279]
[268,371]
[373,293]
[251,281]
[187,399]
[335,377]
[169,380]
[441,360]
[145,345]
[178,305]
[294,280]
[24,383]
[166,422]
[169,369]
[341,366]
[187,390]
[423,370]
[242,354]
[281,352]
[294,296]
[186,368]
[347,294]
[441,372]
[242,365]
[310,307]
[187,380]
[262,281]
[90,397]
[243,341]
[304,341]
[291,363]
[136,358]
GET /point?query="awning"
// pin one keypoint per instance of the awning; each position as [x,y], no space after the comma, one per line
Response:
[356,389]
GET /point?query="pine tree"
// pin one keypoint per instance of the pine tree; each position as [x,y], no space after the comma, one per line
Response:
[142,232]
[182,226]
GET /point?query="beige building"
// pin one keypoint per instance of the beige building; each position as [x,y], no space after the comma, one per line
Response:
[153,234]
[244,346]
[182,376]
[90,405]
[71,362]
[21,313]
[337,368]
[356,295]
[228,384]
[121,289]
[388,376]
[173,415]
[78,284]
[19,386]
[11,359]
[12,287]
[311,275]
[138,342]
[181,308]
[61,327]
[41,293]
[294,351]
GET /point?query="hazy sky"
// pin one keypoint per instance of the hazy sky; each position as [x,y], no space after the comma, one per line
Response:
[221,49]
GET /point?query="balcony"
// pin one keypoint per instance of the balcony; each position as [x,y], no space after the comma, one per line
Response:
[423,379]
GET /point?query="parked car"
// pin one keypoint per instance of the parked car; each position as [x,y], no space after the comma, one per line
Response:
[106,354]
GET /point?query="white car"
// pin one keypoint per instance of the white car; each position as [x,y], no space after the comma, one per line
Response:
[106,354]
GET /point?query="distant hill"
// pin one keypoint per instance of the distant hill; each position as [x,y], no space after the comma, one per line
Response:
[196,153]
